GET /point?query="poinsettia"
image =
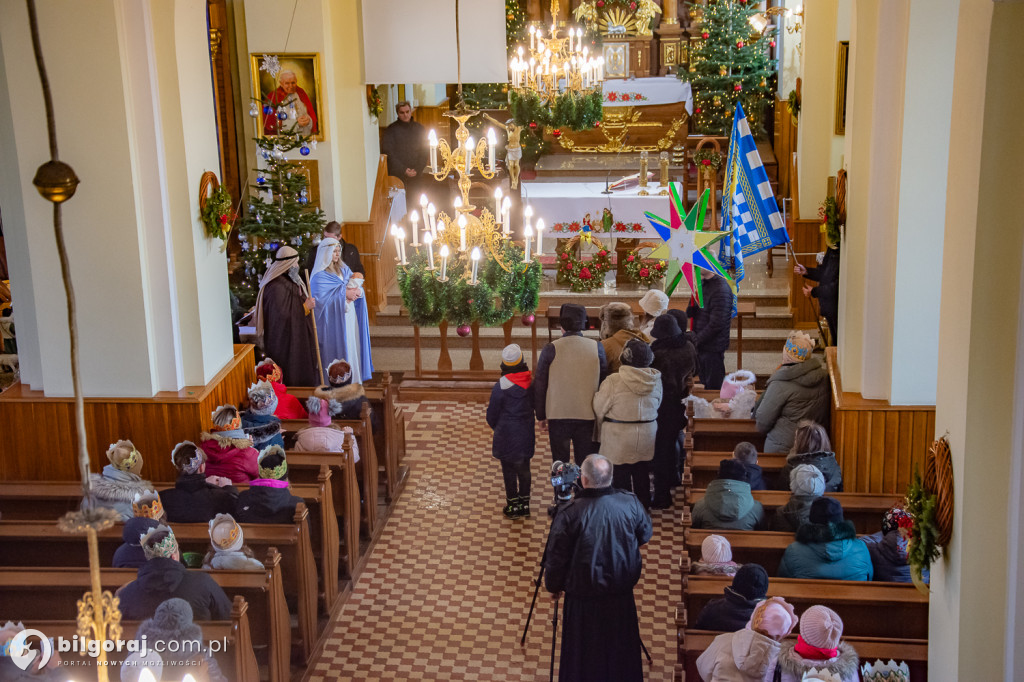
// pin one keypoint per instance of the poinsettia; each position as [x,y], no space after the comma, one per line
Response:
[625,97]
[631,258]
[585,273]
[565,256]
[644,272]
[637,227]
[620,227]
[568,266]
[612,96]
[602,253]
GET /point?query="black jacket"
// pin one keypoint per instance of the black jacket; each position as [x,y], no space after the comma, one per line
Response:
[160,579]
[711,324]
[193,500]
[826,463]
[510,414]
[263,504]
[755,477]
[827,277]
[594,544]
[676,358]
[349,256]
[795,513]
[728,614]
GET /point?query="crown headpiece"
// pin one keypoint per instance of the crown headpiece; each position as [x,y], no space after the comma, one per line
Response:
[166,548]
[261,395]
[267,369]
[129,462]
[148,504]
[796,351]
[823,675]
[278,472]
[230,538]
[879,671]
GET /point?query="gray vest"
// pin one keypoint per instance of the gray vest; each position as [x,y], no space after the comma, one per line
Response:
[573,378]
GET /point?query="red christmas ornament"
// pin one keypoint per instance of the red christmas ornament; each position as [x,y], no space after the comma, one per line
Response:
[533,125]
[706,162]
[737,87]
[771,43]
[644,272]
[585,273]
[705,35]
[463,330]
[224,219]
[632,7]
[697,110]
[528,319]
[556,132]
[597,124]
[739,43]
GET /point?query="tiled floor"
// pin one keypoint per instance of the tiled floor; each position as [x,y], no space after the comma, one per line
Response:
[447,588]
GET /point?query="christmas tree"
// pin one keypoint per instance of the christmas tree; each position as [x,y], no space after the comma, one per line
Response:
[730,63]
[495,95]
[279,213]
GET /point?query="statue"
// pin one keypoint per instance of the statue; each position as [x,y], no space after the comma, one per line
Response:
[513,149]
[645,11]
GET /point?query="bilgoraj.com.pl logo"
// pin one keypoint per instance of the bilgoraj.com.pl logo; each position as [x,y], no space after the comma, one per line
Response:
[23,655]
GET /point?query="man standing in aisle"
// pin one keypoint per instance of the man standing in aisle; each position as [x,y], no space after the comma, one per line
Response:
[569,371]
[711,326]
[593,556]
[405,143]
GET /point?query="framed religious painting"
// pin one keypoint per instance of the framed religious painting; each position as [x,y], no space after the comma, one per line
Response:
[288,86]
[616,60]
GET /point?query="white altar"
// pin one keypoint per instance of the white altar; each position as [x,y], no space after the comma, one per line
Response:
[647,92]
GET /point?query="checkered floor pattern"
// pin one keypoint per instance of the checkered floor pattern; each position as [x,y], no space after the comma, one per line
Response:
[446,590]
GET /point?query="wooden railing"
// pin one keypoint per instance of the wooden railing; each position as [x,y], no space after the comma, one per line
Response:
[376,251]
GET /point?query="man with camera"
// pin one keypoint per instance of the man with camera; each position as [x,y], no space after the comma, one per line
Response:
[593,556]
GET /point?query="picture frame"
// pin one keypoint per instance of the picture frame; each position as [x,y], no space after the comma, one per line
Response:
[306,93]
[842,72]
[616,60]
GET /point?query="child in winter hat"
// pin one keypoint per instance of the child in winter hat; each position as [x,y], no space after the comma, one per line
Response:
[819,646]
[797,349]
[510,414]
[715,557]
[750,654]
[259,422]
[116,487]
[288,406]
[183,648]
[227,547]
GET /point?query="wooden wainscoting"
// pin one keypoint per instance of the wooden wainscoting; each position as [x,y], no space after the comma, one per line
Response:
[34,423]
[376,252]
[433,118]
[808,241]
[878,445]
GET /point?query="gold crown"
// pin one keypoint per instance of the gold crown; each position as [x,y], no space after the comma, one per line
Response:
[148,504]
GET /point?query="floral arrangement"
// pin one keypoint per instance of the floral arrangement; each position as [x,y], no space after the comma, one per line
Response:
[829,214]
[644,271]
[708,158]
[625,97]
[374,101]
[924,534]
[218,213]
[583,274]
[577,226]
[794,103]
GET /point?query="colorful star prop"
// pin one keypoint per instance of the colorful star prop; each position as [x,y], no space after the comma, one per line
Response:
[687,243]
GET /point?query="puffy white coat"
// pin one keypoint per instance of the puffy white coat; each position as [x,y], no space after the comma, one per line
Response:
[626,408]
[742,656]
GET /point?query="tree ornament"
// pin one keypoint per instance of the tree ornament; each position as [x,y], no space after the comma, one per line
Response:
[737,87]
[697,110]
[254,109]
[717,101]
[771,43]
[282,114]
[260,180]
[304,150]
[600,3]
[705,35]
[739,44]
[763,83]
[556,132]
[529,319]
[463,330]
[533,125]
[723,70]
[632,7]
[597,124]
[267,110]
[693,69]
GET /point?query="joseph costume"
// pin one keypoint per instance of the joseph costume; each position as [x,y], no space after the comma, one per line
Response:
[283,325]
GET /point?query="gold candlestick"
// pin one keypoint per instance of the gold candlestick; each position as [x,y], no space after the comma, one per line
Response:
[663,161]
[643,175]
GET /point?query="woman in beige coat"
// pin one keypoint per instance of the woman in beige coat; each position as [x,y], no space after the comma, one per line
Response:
[626,409]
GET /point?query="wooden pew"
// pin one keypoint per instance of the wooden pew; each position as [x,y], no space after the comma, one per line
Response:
[345,489]
[722,434]
[237,661]
[34,543]
[864,509]
[868,609]
[703,466]
[27,593]
[748,546]
[869,649]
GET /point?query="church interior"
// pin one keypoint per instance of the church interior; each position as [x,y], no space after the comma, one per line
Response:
[304,260]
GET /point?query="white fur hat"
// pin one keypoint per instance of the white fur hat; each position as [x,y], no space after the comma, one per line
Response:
[654,302]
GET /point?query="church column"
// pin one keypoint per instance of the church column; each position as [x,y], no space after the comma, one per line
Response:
[151,289]
[974,628]
[817,104]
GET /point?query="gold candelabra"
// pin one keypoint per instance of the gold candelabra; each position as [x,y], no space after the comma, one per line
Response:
[555,64]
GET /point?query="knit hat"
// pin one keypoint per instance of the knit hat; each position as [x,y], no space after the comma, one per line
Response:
[715,550]
[319,414]
[268,370]
[511,355]
[826,510]
[798,347]
[572,317]
[158,542]
[735,383]
[823,675]
[172,621]
[654,302]
[124,457]
[277,472]
[339,373]
[665,326]
[225,418]
[681,318]
[187,458]
[774,617]
[225,533]
[636,354]
[732,468]
[615,317]
[897,517]
[821,627]
[262,399]
[751,581]
[806,479]
[135,527]
[147,503]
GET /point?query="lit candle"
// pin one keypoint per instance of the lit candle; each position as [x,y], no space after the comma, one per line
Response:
[469,154]
[579,39]
[414,218]
[497,205]
[401,243]
[527,214]
[462,231]
[457,204]
[423,208]
[527,238]
[428,239]
[431,213]
[570,39]
[398,243]
[432,140]
[506,209]
[540,231]
[475,257]
[444,262]
[492,141]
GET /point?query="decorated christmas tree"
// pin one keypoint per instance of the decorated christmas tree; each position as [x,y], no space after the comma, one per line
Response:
[731,62]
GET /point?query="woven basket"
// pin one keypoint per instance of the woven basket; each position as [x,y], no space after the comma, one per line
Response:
[938,479]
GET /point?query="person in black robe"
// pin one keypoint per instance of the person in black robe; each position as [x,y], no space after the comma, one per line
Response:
[284,320]
[827,291]
[405,143]
[593,556]
[349,252]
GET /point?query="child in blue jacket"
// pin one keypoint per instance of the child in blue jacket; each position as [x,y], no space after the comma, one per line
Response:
[510,414]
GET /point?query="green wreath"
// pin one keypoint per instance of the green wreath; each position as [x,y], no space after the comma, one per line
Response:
[497,296]
[568,110]
[218,213]
[580,274]
[645,271]
[707,158]
[924,546]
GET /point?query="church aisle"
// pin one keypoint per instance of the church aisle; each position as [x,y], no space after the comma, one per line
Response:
[446,590]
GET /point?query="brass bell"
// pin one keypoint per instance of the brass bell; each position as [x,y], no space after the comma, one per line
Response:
[56,181]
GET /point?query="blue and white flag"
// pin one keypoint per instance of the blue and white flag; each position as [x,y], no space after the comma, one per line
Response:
[748,204]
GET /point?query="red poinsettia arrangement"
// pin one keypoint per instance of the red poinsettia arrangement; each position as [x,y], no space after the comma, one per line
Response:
[583,273]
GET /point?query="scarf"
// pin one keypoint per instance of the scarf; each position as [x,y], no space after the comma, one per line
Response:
[813,652]
[286,257]
[268,483]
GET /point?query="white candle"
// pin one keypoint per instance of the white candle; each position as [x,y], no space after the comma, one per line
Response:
[469,154]
[527,215]
[431,213]
[457,203]
[506,222]
[497,206]
[462,231]
[475,257]
[432,140]
[444,262]
[527,238]
[401,243]
[579,39]
[398,243]
[540,231]
[414,218]
[492,141]
[428,239]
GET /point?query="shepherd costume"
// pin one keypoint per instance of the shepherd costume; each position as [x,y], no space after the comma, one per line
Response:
[283,326]
[342,325]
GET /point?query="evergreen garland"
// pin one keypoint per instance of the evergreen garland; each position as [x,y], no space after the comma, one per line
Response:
[924,535]
[568,110]
[497,296]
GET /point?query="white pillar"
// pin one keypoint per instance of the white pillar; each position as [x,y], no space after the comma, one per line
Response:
[817,107]
[132,91]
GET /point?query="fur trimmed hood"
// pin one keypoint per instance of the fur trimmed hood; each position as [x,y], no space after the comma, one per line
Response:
[260,427]
[115,485]
[341,394]
[226,443]
[795,665]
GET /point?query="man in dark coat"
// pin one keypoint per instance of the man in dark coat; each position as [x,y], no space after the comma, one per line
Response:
[827,291]
[711,326]
[284,320]
[163,577]
[194,498]
[405,143]
[676,359]
[349,252]
[593,556]
[731,612]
